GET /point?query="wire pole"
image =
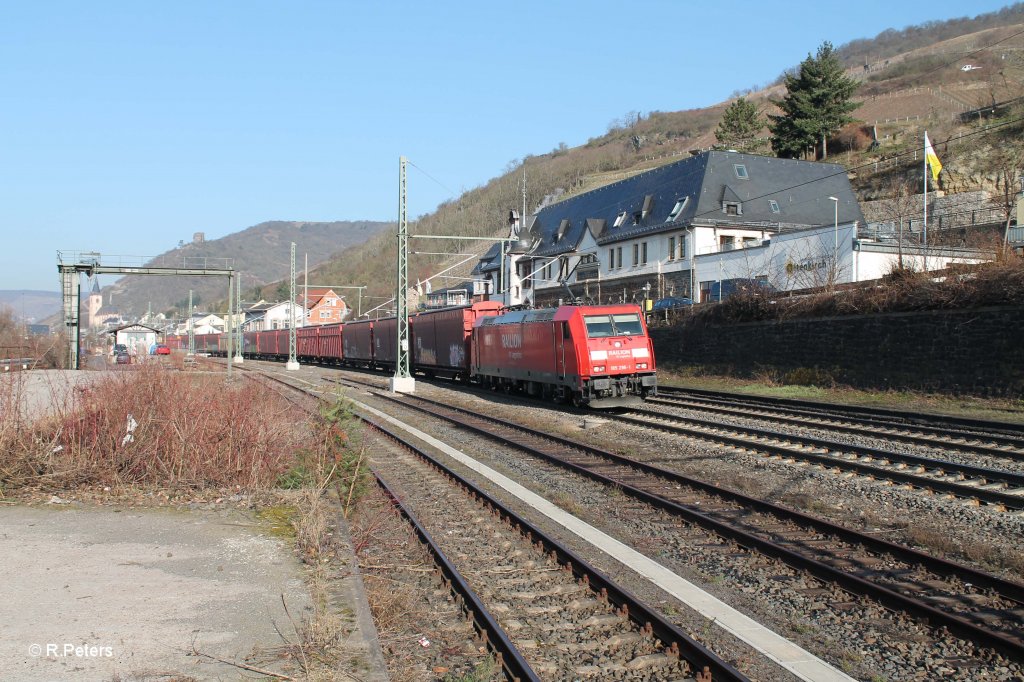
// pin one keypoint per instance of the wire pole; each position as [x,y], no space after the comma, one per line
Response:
[403,381]
[191,327]
[292,364]
[238,320]
[227,323]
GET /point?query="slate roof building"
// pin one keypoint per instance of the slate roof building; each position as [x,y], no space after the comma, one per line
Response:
[678,229]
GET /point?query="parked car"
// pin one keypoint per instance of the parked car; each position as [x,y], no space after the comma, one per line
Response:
[123,358]
[671,303]
[119,348]
[719,291]
[161,349]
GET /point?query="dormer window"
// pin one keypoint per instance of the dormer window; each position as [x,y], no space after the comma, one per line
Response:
[619,219]
[563,227]
[741,171]
[677,209]
[648,205]
[732,208]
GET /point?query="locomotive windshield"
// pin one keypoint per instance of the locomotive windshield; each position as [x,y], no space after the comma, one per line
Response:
[601,326]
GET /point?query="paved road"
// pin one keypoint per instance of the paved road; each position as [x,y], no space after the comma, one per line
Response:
[100,594]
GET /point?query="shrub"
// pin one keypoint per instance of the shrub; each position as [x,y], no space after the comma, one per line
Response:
[155,427]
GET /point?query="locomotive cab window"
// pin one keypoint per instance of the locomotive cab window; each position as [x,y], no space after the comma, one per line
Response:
[627,325]
[603,326]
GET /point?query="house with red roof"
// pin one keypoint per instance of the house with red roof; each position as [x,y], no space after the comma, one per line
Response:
[322,306]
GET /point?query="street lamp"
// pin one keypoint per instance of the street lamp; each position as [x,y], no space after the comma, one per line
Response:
[835,253]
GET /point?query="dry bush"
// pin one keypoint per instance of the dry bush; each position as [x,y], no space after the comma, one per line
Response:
[902,290]
[854,138]
[154,427]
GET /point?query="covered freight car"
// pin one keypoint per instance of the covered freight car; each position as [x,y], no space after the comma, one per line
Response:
[441,338]
[592,355]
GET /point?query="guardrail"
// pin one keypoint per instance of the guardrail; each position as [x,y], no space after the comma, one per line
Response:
[16,363]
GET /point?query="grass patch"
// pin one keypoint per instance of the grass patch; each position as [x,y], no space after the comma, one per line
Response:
[996,409]
[279,519]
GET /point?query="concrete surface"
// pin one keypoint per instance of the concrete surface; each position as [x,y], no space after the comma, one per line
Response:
[101,594]
[44,392]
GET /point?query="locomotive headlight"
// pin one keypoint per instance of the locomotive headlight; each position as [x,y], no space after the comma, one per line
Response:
[641,365]
[599,368]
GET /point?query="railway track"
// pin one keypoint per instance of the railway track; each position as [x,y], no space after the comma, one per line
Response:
[1004,489]
[544,611]
[974,605]
[970,435]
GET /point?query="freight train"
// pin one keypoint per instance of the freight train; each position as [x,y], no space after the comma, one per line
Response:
[599,356]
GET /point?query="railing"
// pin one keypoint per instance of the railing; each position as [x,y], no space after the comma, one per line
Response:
[731,246]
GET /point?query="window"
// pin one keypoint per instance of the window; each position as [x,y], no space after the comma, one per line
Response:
[636,255]
[602,326]
[618,256]
[731,208]
[619,219]
[643,253]
[611,259]
[562,228]
[741,171]
[682,247]
[325,314]
[648,205]
[773,205]
[677,209]
[671,248]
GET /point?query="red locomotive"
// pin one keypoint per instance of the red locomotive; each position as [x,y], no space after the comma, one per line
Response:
[595,355]
[599,356]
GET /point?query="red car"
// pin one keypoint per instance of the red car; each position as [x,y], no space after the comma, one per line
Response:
[161,349]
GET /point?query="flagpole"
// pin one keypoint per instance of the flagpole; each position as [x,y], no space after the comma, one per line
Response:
[925,175]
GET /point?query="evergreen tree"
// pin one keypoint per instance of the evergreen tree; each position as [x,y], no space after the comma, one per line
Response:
[739,126]
[816,105]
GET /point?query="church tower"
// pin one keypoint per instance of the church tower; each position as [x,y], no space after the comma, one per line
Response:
[94,303]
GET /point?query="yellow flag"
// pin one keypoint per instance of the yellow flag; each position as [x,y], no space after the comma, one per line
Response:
[933,160]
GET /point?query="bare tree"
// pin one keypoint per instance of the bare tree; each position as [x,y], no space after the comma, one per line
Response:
[1007,162]
[903,203]
[813,267]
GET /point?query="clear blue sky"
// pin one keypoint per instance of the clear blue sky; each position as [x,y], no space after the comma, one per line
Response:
[127,126]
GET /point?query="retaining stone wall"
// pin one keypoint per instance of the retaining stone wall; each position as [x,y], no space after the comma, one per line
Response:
[978,351]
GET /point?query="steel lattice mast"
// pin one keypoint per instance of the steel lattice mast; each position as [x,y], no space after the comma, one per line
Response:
[402,381]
